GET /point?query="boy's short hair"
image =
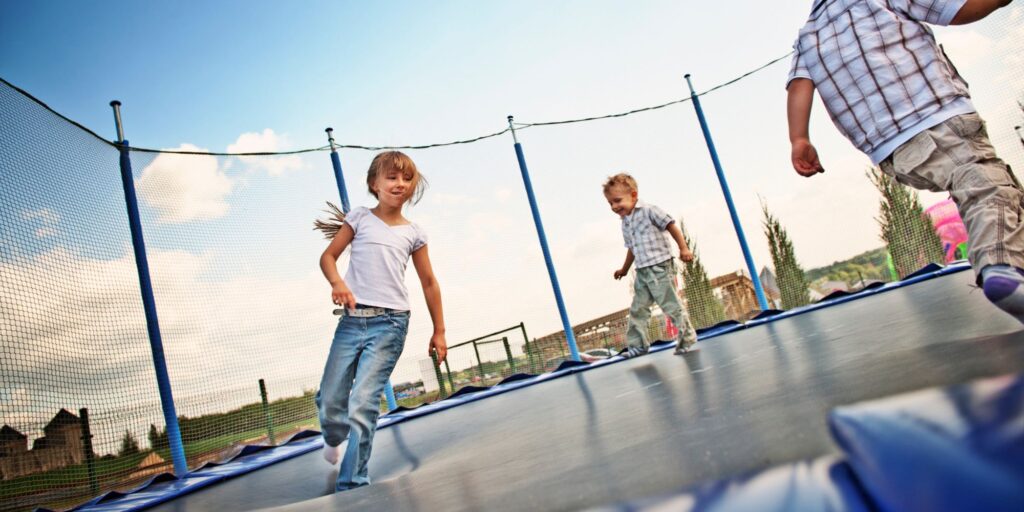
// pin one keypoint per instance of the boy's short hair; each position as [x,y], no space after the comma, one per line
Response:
[621,179]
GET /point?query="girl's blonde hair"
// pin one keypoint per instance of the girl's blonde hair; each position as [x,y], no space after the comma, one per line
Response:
[400,162]
[621,179]
[383,162]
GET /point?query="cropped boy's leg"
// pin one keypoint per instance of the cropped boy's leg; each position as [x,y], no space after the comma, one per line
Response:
[957,156]
[639,314]
[335,385]
[668,300]
[385,338]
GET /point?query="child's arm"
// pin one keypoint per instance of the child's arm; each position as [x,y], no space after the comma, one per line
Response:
[340,293]
[432,293]
[685,253]
[974,10]
[798,110]
[625,266]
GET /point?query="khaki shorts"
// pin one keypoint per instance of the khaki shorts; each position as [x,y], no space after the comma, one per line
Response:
[957,156]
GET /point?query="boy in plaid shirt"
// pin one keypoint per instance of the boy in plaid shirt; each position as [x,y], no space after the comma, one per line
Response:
[643,227]
[891,90]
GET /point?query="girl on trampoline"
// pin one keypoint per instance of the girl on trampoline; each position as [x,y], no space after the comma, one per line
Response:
[375,317]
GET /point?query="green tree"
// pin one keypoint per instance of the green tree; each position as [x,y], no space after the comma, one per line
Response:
[701,303]
[789,275]
[157,439]
[906,230]
[129,445]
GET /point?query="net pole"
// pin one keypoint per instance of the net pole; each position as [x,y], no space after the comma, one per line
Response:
[508,354]
[479,362]
[570,338]
[758,289]
[339,178]
[156,343]
[266,412]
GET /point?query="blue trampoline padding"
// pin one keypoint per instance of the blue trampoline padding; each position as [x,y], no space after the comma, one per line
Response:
[959,448]
[720,326]
[517,376]
[924,271]
[823,484]
[564,365]
[160,489]
[767,313]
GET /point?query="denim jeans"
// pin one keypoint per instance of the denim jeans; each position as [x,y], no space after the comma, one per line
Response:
[654,285]
[362,356]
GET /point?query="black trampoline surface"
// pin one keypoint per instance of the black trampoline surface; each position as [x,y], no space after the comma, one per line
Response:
[744,401]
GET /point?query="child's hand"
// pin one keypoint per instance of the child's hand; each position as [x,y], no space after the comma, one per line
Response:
[342,296]
[686,255]
[619,274]
[438,347]
[805,158]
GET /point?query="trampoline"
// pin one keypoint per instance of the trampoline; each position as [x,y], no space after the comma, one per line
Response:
[747,400]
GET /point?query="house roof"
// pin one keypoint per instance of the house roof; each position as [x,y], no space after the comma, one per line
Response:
[731,277]
[9,434]
[63,417]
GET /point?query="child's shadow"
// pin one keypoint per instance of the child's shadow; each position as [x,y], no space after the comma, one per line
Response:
[332,479]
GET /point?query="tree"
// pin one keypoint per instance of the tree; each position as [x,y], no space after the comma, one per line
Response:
[701,303]
[789,275]
[129,445]
[907,232]
[157,439]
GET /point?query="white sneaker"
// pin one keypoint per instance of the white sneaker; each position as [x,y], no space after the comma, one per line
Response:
[332,454]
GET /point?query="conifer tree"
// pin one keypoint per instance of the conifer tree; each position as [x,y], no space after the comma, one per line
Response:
[129,445]
[701,304]
[793,284]
[907,232]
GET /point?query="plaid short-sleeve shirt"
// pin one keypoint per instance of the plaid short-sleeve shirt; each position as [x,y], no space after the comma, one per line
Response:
[643,231]
[879,71]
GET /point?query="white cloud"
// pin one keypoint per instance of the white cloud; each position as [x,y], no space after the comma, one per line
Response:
[46,215]
[48,219]
[265,142]
[1011,47]
[184,188]
[447,199]
[78,338]
[967,48]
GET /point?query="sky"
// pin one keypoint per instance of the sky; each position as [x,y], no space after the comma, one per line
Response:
[233,258]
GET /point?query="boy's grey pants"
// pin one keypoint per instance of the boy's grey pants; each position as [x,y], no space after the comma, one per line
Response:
[654,285]
[957,156]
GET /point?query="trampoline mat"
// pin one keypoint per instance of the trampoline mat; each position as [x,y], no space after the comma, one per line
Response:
[744,401]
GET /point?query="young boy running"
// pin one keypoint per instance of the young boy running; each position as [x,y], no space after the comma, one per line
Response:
[891,90]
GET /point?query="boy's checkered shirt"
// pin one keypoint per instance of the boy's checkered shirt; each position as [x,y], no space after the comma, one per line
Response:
[879,71]
[643,231]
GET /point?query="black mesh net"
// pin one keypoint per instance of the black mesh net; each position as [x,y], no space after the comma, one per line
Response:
[245,315]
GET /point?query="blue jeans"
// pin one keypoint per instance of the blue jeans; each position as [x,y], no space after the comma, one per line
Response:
[363,354]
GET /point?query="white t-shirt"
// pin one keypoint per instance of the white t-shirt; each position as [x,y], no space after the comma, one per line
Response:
[380,254]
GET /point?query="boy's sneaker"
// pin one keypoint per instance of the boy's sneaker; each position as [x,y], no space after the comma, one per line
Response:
[332,454]
[683,347]
[634,352]
[1004,287]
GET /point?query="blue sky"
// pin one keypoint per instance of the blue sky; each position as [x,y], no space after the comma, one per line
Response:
[207,71]
[232,253]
